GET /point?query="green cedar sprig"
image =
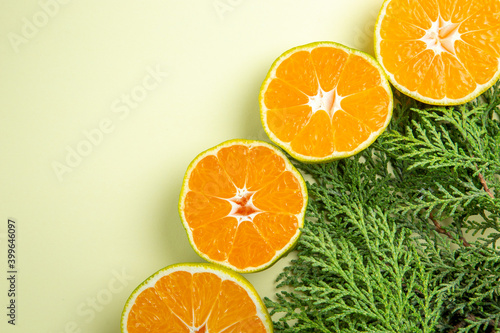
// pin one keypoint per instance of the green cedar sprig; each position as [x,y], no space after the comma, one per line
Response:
[403,237]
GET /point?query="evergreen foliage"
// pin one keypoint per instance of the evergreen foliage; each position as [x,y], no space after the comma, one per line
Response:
[403,237]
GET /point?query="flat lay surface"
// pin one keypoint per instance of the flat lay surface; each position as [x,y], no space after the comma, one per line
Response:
[104,105]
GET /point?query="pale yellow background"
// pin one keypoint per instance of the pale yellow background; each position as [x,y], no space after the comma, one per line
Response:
[114,212]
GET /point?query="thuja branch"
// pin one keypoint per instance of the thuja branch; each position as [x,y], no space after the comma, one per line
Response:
[443,231]
[375,256]
[485,185]
[471,318]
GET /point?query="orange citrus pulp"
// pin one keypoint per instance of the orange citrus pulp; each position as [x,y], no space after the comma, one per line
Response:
[324,101]
[195,298]
[440,51]
[242,204]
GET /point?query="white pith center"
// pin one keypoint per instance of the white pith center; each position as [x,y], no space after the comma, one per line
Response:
[441,36]
[197,329]
[241,202]
[328,101]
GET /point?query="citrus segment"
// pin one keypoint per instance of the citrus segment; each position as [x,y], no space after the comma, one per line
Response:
[316,137]
[328,63]
[349,131]
[468,55]
[234,161]
[232,306]
[211,179]
[188,298]
[463,9]
[151,314]
[283,195]
[250,249]
[237,227]
[434,83]
[215,239]
[286,123]
[409,75]
[206,289]
[401,30]
[482,40]
[411,12]
[431,8]
[487,16]
[276,228]
[458,80]
[446,8]
[202,209]
[249,325]
[283,95]
[299,114]
[448,50]
[398,52]
[358,75]
[298,71]
[264,165]
[172,291]
[369,105]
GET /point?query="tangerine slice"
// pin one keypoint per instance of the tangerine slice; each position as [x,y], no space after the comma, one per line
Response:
[306,90]
[242,205]
[195,298]
[440,52]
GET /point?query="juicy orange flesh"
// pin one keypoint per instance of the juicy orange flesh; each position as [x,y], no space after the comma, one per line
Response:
[332,79]
[194,302]
[249,211]
[441,48]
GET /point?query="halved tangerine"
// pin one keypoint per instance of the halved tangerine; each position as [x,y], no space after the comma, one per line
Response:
[440,52]
[195,298]
[324,101]
[242,204]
